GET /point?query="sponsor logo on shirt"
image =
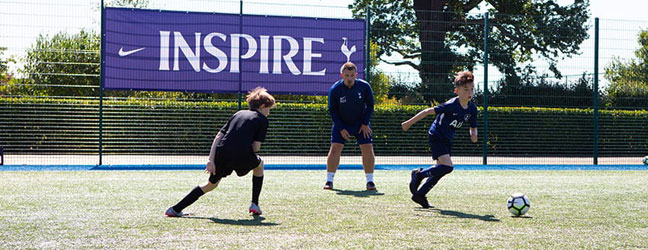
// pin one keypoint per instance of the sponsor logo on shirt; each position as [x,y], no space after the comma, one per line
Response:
[343,99]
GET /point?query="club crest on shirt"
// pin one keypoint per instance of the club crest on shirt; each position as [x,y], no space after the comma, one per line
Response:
[466,117]
[359,95]
[343,99]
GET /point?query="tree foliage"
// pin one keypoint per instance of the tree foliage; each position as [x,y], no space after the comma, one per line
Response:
[440,37]
[63,65]
[629,78]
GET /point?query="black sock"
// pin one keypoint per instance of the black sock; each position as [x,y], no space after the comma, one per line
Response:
[189,199]
[257,183]
[435,174]
[438,169]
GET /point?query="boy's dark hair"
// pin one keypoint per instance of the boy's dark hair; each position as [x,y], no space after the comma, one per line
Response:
[259,96]
[348,66]
[463,78]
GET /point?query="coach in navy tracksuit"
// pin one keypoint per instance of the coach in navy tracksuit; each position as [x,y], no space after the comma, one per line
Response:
[351,104]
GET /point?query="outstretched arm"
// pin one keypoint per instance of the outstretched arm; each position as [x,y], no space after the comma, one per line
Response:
[407,124]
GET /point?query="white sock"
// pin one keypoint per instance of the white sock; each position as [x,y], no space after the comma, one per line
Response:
[329,176]
[369,177]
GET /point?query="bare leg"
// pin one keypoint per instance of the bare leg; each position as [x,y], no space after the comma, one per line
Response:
[333,159]
[208,187]
[368,158]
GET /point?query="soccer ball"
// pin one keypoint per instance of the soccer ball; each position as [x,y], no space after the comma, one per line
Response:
[645,160]
[518,204]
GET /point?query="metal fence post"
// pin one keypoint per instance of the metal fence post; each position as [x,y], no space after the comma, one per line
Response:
[101,77]
[595,88]
[240,78]
[368,48]
[485,140]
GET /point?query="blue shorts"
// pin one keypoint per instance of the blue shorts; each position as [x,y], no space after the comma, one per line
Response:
[439,146]
[353,131]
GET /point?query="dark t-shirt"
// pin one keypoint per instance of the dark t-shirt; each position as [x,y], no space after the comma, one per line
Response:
[450,116]
[243,128]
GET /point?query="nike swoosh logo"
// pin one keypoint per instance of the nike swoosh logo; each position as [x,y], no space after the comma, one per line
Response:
[125,53]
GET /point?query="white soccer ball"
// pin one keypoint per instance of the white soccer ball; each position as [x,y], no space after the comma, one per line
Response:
[518,204]
[645,160]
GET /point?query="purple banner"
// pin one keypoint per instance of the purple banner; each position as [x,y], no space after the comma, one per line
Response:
[211,52]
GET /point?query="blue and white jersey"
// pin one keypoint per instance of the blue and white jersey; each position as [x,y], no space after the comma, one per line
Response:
[451,116]
[351,106]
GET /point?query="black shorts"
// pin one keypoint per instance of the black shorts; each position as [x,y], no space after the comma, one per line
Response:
[439,146]
[226,163]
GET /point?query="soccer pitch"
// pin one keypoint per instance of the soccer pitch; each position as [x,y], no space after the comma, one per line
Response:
[125,209]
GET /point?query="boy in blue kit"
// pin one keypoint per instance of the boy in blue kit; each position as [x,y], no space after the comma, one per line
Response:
[350,104]
[451,115]
[234,149]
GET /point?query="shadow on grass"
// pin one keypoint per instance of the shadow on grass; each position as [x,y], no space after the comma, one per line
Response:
[488,217]
[255,221]
[356,193]
[522,217]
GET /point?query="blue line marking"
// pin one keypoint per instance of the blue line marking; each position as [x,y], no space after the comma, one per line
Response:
[318,167]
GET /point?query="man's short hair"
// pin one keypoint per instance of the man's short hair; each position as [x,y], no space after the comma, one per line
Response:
[462,78]
[259,96]
[348,66]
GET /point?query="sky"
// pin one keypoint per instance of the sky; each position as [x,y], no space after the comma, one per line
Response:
[21,21]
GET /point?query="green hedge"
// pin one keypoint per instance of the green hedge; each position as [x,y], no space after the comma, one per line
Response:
[40,125]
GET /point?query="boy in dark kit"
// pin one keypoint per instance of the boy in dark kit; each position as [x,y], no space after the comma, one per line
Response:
[234,149]
[450,116]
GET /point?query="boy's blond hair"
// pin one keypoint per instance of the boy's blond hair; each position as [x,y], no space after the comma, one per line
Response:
[258,97]
[462,78]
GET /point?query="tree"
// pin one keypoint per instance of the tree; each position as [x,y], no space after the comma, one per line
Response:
[4,68]
[629,79]
[440,37]
[64,65]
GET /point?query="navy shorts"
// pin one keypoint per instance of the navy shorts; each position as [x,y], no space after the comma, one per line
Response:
[226,164]
[439,146]
[353,131]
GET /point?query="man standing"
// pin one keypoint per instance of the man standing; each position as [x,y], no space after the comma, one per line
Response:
[351,104]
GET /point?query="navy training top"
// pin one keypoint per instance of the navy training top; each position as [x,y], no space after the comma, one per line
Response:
[451,116]
[350,106]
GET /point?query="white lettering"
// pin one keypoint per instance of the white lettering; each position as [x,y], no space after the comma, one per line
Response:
[213,48]
[219,54]
[276,63]
[181,44]
[308,55]
[164,50]
[265,47]
[236,45]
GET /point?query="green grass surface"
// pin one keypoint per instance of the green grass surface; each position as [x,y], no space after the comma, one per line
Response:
[125,209]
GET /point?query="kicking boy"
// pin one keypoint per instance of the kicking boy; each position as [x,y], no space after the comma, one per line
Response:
[450,116]
[234,149]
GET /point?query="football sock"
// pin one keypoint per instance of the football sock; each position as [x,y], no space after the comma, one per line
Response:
[438,169]
[189,199]
[434,175]
[329,176]
[257,183]
[369,177]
